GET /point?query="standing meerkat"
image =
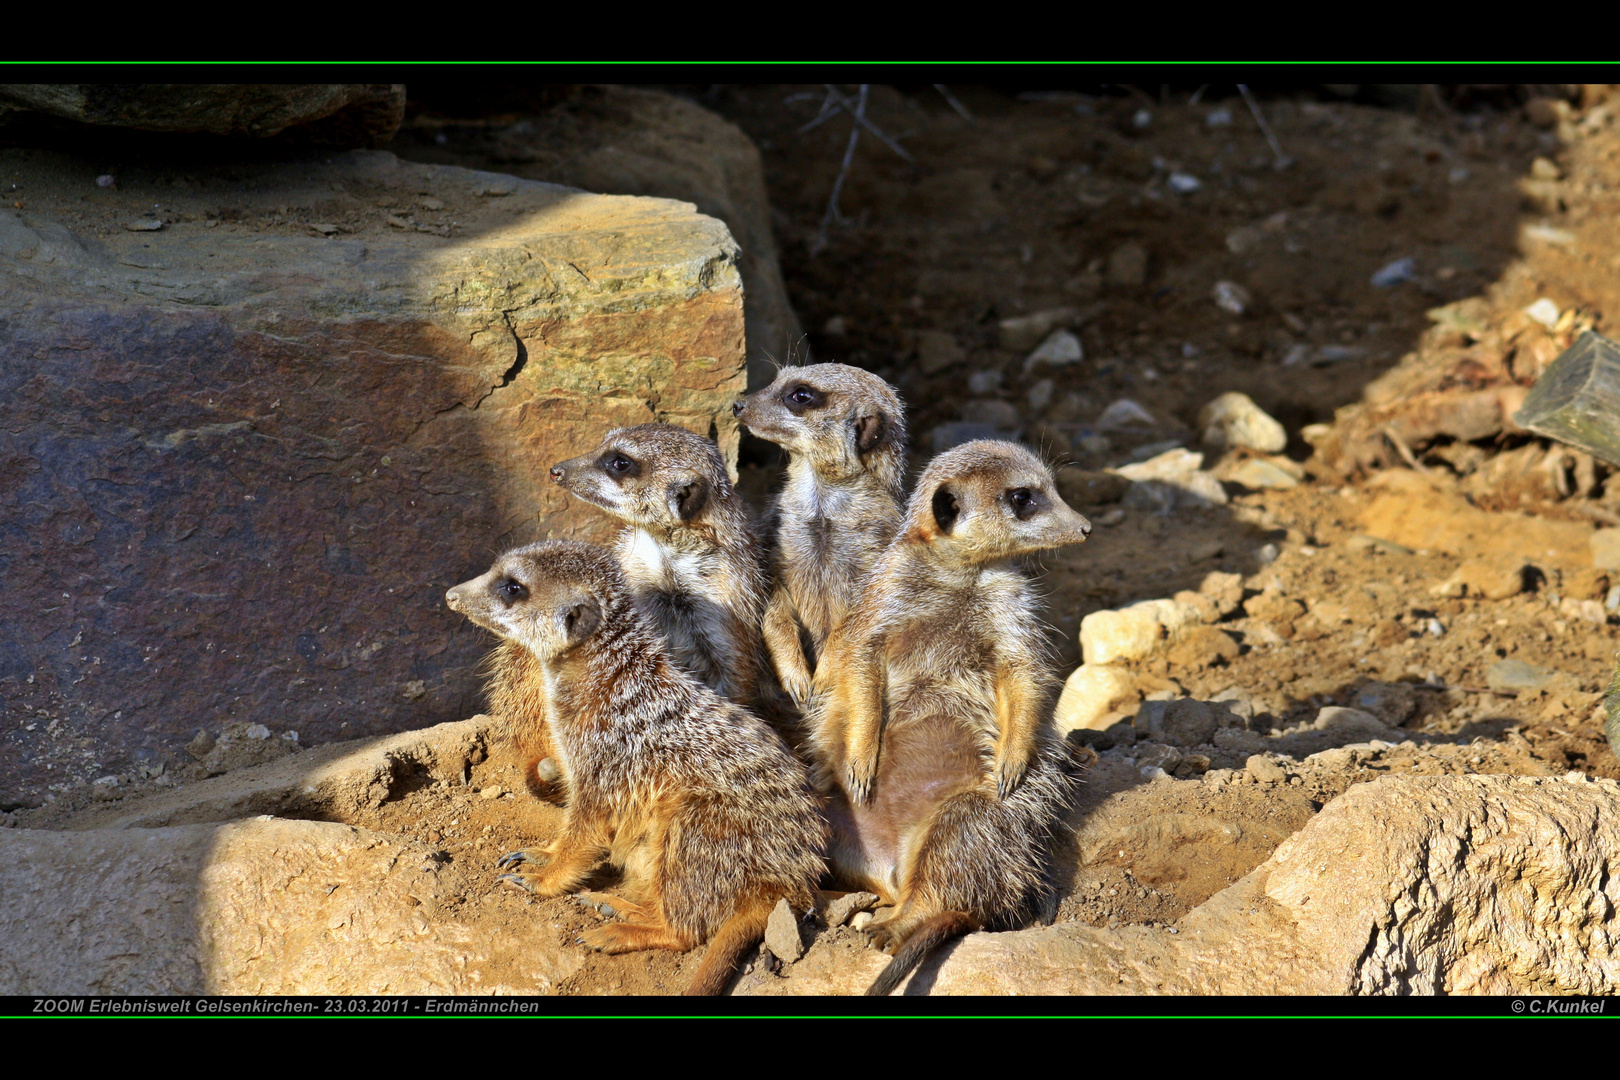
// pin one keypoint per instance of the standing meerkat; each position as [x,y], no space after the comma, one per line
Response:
[951,799]
[690,554]
[845,433]
[697,800]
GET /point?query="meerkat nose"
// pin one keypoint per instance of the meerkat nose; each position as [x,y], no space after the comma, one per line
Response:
[738,406]
[557,474]
[452,599]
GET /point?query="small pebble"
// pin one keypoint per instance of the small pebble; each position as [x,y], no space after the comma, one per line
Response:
[1545,312]
[1184,183]
[984,382]
[1395,273]
[1264,769]
[106,180]
[1231,297]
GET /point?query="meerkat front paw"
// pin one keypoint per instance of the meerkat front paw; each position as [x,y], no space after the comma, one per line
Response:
[1009,774]
[799,687]
[859,775]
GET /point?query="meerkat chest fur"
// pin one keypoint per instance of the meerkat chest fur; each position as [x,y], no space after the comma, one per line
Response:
[688,588]
[828,537]
[651,565]
[947,639]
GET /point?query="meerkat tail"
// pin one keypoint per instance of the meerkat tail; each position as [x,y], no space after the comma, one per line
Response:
[544,780]
[933,933]
[735,937]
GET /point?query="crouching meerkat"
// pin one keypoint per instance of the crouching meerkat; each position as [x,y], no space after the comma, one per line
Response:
[845,433]
[708,814]
[951,799]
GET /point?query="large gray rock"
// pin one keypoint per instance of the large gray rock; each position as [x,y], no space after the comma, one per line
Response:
[243,455]
[353,114]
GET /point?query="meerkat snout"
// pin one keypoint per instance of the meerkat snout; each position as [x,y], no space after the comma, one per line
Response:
[558,473]
[738,406]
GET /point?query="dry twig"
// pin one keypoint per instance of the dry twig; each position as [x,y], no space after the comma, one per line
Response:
[1280,159]
[950,99]
[832,103]
[832,215]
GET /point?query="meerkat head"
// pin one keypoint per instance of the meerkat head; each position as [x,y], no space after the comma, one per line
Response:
[985,501]
[842,420]
[549,597]
[651,475]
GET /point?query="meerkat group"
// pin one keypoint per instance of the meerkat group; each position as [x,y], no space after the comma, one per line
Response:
[857,694]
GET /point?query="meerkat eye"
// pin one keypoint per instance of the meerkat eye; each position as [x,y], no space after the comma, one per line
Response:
[1025,503]
[512,590]
[619,464]
[803,397]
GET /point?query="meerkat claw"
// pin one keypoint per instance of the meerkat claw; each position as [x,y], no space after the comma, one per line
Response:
[859,787]
[517,880]
[1007,782]
[512,858]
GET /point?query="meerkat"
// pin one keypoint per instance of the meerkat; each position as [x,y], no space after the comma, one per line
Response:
[690,553]
[845,433]
[949,814]
[709,815]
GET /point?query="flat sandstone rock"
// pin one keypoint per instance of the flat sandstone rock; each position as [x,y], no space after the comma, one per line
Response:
[248,450]
[1412,884]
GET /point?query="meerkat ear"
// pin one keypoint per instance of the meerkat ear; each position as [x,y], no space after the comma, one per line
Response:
[869,432]
[580,621]
[689,499]
[946,510]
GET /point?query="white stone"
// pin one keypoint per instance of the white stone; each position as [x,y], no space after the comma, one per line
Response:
[1059,349]
[1123,414]
[1180,480]
[1545,312]
[1134,632]
[1231,297]
[1090,695]
[1129,633]
[1233,419]
[1258,474]
[1022,332]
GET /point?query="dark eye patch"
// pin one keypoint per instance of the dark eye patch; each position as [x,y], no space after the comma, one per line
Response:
[946,510]
[620,465]
[802,397]
[511,590]
[1026,502]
